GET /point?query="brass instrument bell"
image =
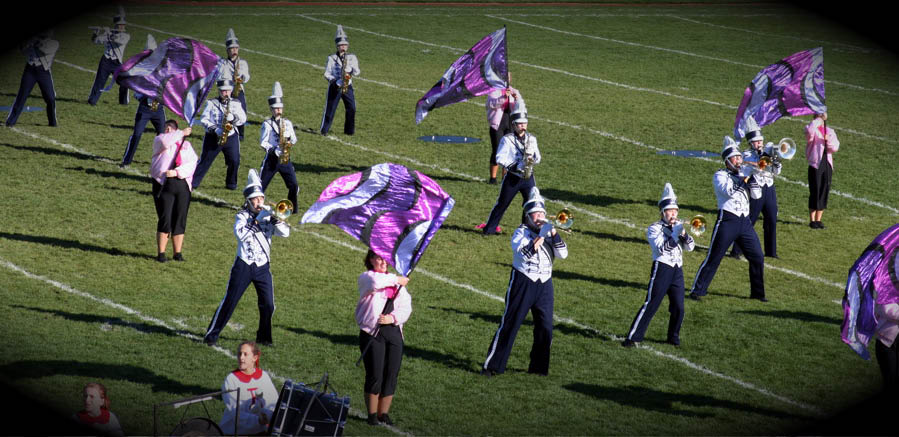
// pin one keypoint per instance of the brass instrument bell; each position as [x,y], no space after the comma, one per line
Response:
[563,220]
[282,210]
[786,148]
[697,225]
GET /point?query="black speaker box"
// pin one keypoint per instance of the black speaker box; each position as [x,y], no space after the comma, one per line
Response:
[309,410]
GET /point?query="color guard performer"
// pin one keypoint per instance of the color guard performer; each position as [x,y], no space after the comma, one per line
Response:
[235,69]
[342,66]
[277,145]
[40,52]
[114,40]
[535,244]
[254,226]
[518,153]
[733,190]
[499,106]
[821,142]
[767,204]
[220,117]
[148,110]
[668,239]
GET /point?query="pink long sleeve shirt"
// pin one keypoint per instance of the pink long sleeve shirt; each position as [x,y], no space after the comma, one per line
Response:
[814,137]
[374,289]
[164,147]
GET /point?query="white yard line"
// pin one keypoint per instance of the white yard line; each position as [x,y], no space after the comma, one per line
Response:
[435,276]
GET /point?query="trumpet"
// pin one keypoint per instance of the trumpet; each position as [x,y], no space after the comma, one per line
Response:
[282,210]
[697,225]
[562,221]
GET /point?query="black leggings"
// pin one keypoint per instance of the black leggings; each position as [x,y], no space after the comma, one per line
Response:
[382,360]
[172,202]
[888,360]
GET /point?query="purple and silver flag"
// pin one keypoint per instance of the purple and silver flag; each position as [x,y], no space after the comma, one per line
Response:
[393,210]
[481,69]
[793,86]
[178,74]
[873,282]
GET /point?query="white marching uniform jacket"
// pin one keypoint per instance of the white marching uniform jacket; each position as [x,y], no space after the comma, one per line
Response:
[536,263]
[114,41]
[731,192]
[226,69]
[511,152]
[254,235]
[40,52]
[271,135]
[215,111]
[764,178]
[334,68]
[668,244]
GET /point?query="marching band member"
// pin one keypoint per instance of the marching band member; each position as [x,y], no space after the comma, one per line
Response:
[518,153]
[342,66]
[767,204]
[499,105]
[668,240]
[258,396]
[219,118]
[148,110]
[172,168]
[40,52]
[733,192]
[233,63]
[820,141]
[270,140]
[254,226]
[114,41]
[535,244]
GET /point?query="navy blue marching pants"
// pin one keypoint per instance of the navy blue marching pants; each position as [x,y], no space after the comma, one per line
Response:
[34,75]
[664,280]
[731,229]
[512,185]
[271,164]
[334,96]
[241,276]
[144,115]
[524,296]
[104,70]
[211,149]
[766,205]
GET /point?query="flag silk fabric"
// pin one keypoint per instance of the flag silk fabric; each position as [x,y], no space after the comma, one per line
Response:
[479,70]
[871,300]
[393,210]
[179,74]
[793,86]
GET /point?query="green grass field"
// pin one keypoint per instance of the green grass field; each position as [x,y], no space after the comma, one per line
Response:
[607,87]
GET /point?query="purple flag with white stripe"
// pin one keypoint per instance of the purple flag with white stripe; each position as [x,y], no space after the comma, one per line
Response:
[793,86]
[393,210]
[178,74]
[872,287]
[481,69]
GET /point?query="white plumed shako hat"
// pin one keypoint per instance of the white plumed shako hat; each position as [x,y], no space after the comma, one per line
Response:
[340,37]
[669,199]
[231,39]
[276,99]
[730,148]
[254,186]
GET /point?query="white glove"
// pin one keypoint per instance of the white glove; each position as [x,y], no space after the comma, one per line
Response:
[230,117]
[219,131]
[677,229]
[264,216]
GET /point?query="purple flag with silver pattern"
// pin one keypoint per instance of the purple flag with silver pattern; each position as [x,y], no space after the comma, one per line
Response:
[481,69]
[393,210]
[793,86]
[873,282]
[178,74]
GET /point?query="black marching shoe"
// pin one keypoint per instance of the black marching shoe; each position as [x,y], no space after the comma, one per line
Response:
[385,419]
[694,296]
[488,373]
[673,341]
[178,257]
[161,257]
[373,419]
[629,343]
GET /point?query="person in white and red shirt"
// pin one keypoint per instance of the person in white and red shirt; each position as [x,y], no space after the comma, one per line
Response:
[96,412]
[384,306]
[258,395]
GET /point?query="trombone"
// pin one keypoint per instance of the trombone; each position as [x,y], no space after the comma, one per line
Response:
[562,221]
[697,225]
